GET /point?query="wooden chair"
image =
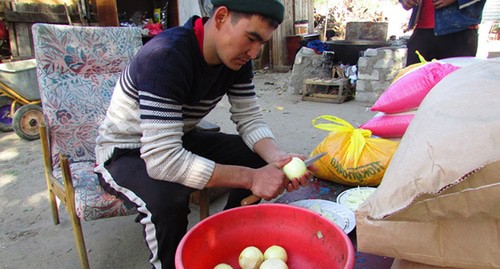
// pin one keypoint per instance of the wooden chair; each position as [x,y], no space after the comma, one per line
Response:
[77,68]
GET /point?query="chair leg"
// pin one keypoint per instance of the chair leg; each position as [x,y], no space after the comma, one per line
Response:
[80,242]
[69,190]
[204,204]
[47,163]
[53,206]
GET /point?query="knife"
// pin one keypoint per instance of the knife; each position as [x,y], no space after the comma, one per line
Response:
[308,162]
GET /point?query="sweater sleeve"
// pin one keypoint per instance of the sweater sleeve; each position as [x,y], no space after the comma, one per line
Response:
[246,112]
[161,89]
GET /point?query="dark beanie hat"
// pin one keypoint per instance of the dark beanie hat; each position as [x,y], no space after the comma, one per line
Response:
[269,8]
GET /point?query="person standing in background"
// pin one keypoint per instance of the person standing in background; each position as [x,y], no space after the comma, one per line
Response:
[443,28]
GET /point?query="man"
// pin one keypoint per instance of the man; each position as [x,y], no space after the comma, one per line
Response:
[443,28]
[148,150]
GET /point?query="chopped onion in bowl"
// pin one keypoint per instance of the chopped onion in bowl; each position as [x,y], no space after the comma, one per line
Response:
[357,196]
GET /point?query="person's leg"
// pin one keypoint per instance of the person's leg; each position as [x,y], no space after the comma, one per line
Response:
[163,206]
[459,44]
[423,41]
[224,149]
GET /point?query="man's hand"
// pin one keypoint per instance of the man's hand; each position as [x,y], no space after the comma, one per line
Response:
[270,181]
[442,3]
[296,183]
[409,4]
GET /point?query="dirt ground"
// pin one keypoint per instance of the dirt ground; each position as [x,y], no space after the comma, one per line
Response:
[29,238]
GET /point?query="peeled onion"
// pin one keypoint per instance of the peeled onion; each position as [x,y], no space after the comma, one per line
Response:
[250,258]
[223,266]
[295,168]
[276,252]
[273,264]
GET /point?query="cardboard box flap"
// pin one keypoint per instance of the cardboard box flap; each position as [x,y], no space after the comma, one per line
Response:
[454,238]
[474,196]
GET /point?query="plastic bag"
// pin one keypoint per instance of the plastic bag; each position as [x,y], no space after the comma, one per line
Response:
[353,157]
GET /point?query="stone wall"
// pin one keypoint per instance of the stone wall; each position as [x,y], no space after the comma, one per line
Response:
[307,64]
[376,70]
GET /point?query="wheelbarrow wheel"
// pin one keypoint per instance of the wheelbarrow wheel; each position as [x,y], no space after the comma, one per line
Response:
[5,115]
[26,121]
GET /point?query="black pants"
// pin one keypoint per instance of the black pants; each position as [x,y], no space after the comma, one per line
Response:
[430,46]
[163,205]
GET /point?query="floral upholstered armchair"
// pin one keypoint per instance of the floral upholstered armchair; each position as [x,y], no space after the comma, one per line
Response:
[77,68]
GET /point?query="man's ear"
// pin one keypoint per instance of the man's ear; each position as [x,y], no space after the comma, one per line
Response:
[220,16]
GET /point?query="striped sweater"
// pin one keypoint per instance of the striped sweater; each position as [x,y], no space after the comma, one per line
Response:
[163,93]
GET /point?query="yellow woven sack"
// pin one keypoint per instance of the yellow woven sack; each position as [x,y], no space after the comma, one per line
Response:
[411,67]
[353,157]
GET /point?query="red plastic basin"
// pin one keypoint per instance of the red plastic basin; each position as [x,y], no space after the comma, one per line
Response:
[311,241]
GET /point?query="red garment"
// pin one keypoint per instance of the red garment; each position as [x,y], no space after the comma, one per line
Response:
[199,31]
[426,17]
[4,34]
[153,28]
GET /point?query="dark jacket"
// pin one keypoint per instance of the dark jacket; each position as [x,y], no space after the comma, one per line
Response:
[454,18]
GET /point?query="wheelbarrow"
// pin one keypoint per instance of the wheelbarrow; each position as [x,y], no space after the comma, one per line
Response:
[20,105]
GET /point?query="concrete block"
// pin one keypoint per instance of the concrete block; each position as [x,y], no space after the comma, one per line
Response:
[391,73]
[307,65]
[384,63]
[360,85]
[362,62]
[379,86]
[384,53]
[374,75]
[371,53]
[400,53]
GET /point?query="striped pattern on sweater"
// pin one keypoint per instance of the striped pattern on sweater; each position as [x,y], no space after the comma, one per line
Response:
[155,124]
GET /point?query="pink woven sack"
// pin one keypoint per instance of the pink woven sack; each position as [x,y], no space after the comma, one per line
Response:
[389,125]
[408,91]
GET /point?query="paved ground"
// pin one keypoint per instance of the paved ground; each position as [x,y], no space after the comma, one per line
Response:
[28,237]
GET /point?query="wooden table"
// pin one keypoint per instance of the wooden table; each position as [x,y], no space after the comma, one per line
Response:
[327,190]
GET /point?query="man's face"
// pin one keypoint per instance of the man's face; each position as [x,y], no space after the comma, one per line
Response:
[238,43]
